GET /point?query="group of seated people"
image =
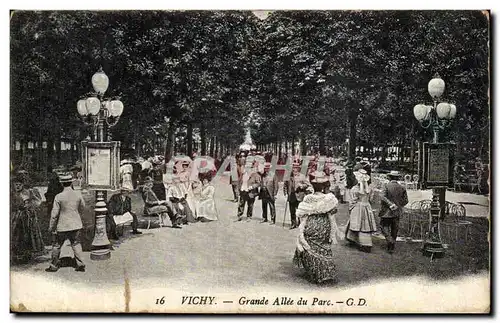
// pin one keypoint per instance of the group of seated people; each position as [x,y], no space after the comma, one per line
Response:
[188,197]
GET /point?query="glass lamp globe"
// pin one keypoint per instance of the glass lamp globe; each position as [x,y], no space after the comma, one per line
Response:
[115,108]
[436,87]
[81,106]
[420,112]
[443,110]
[453,112]
[93,106]
[100,82]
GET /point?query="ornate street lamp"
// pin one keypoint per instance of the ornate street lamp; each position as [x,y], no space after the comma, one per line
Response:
[100,113]
[437,116]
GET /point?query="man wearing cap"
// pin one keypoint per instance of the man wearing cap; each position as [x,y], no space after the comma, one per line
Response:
[66,223]
[249,184]
[295,188]
[268,192]
[393,198]
[119,204]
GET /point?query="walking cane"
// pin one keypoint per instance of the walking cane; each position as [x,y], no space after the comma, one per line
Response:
[286,208]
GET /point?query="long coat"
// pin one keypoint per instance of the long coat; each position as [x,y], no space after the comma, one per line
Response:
[269,188]
[395,193]
[296,187]
[66,212]
[253,184]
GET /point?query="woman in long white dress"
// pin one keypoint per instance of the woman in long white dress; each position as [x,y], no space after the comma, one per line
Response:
[206,210]
[194,195]
[362,223]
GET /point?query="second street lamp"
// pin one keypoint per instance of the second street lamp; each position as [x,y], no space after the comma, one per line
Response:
[438,116]
[100,114]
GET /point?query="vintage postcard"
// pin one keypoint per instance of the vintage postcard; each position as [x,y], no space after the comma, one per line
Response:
[266,161]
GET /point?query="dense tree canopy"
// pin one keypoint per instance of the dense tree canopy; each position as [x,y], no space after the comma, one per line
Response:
[317,76]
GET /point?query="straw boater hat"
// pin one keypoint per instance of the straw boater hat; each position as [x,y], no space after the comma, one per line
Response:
[319,177]
[65,178]
[125,188]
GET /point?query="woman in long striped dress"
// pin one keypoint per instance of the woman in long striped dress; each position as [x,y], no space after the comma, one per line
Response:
[362,221]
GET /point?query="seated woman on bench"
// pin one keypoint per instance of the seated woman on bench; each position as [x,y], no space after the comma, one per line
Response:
[153,205]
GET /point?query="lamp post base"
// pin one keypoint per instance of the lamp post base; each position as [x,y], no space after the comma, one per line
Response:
[100,244]
[100,254]
[432,246]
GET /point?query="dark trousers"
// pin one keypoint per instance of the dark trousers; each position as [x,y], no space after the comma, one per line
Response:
[293,209]
[245,199]
[236,191]
[74,239]
[111,225]
[272,207]
[390,228]
[50,205]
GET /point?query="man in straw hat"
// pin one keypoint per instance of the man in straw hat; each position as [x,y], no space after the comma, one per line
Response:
[153,205]
[394,198]
[66,223]
[249,183]
[295,188]
[120,207]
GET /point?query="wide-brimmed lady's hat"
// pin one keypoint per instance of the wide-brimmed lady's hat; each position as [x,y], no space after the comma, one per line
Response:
[394,174]
[361,175]
[319,177]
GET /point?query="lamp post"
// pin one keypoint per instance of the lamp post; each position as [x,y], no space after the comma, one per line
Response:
[438,116]
[100,113]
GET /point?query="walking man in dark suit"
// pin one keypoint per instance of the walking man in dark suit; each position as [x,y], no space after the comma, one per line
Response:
[295,188]
[394,198]
[267,194]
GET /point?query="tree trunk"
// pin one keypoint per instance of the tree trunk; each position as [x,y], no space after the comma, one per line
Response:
[303,145]
[189,139]
[71,152]
[351,153]
[203,136]
[50,151]
[321,136]
[402,151]
[384,153]
[40,163]
[170,141]
[58,150]
[216,144]
[212,148]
